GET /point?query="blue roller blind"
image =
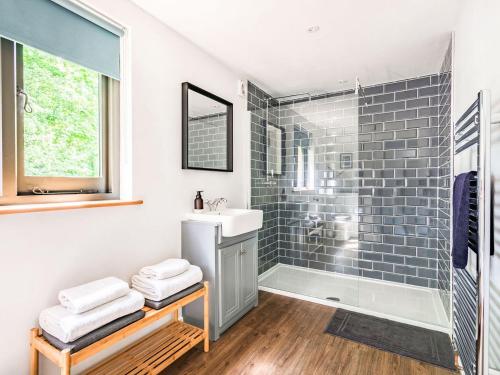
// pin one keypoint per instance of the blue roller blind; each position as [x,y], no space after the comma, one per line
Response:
[65,30]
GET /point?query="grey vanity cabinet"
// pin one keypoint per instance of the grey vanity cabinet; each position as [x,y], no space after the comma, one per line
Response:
[229,264]
[229,283]
[237,278]
[248,270]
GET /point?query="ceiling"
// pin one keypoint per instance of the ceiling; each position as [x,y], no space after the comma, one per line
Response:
[267,40]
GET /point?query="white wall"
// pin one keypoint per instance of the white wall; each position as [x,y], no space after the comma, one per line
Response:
[44,252]
[477,67]
[477,53]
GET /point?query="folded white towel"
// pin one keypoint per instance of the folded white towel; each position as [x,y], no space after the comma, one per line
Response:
[157,290]
[164,270]
[67,327]
[87,296]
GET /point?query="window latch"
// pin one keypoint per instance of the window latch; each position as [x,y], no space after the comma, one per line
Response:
[41,191]
[26,106]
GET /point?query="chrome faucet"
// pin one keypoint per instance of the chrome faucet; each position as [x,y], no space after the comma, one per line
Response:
[214,204]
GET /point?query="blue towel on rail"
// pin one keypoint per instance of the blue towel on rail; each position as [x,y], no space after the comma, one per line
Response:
[461,207]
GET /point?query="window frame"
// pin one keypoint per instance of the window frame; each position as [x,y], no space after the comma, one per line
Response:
[17,188]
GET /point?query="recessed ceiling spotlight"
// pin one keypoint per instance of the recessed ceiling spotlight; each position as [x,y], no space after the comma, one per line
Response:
[342,81]
[313,29]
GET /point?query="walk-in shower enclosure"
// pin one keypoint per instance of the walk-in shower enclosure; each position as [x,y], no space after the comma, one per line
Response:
[349,185]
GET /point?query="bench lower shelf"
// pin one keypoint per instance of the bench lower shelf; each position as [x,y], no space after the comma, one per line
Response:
[153,353]
[150,355]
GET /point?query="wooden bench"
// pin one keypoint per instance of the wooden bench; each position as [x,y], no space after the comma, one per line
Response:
[149,355]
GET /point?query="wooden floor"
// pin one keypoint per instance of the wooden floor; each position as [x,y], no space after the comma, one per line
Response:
[285,336]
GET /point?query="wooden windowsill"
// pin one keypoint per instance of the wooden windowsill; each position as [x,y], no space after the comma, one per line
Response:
[41,207]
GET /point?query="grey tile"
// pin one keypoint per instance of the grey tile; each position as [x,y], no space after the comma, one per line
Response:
[383,248]
[377,108]
[365,264]
[409,94]
[406,153]
[428,152]
[405,270]
[417,143]
[394,164]
[427,273]
[404,134]
[416,103]
[372,90]
[393,277]
[405,250]
[417,163]
[317,265]
[404,230]
[394,125]
[396,106]
[365,119]
[384,98]
[427,253]
[390,145]
[414,241]
[407,114]
[416,262]
[373,256]
[396,240]
[396,86]
[386,267]
[428,132]
[372,274]
[370,128]
[394,259]
[419,82]
[417,281]
[383,136]
[392,220]
[372,146]
[428,91]
[383,117]
[428,112]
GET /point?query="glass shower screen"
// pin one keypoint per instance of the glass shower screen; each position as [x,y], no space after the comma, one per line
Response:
[316,141]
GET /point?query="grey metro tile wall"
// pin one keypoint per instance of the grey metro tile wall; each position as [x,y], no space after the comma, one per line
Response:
[398,203]
[388,198]
[264,191]
[207,146]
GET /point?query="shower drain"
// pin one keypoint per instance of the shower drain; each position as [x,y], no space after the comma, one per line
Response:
[333,299]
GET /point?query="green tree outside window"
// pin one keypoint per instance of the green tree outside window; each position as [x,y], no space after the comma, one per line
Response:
[62,134]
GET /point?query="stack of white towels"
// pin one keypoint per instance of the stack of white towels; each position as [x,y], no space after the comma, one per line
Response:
[167,278]
[88,307]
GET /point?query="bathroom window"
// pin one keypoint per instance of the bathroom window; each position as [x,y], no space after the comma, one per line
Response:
[61,129]
[304,156]
[305,168]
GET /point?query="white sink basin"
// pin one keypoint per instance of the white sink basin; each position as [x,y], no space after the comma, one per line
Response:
[235,221]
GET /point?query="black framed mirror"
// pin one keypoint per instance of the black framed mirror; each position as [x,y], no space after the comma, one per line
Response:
[207,130]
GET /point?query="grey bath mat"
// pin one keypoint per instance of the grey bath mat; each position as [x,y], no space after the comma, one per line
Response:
[415,342]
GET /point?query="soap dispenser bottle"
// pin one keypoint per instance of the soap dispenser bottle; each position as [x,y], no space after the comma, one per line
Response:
[198,202]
